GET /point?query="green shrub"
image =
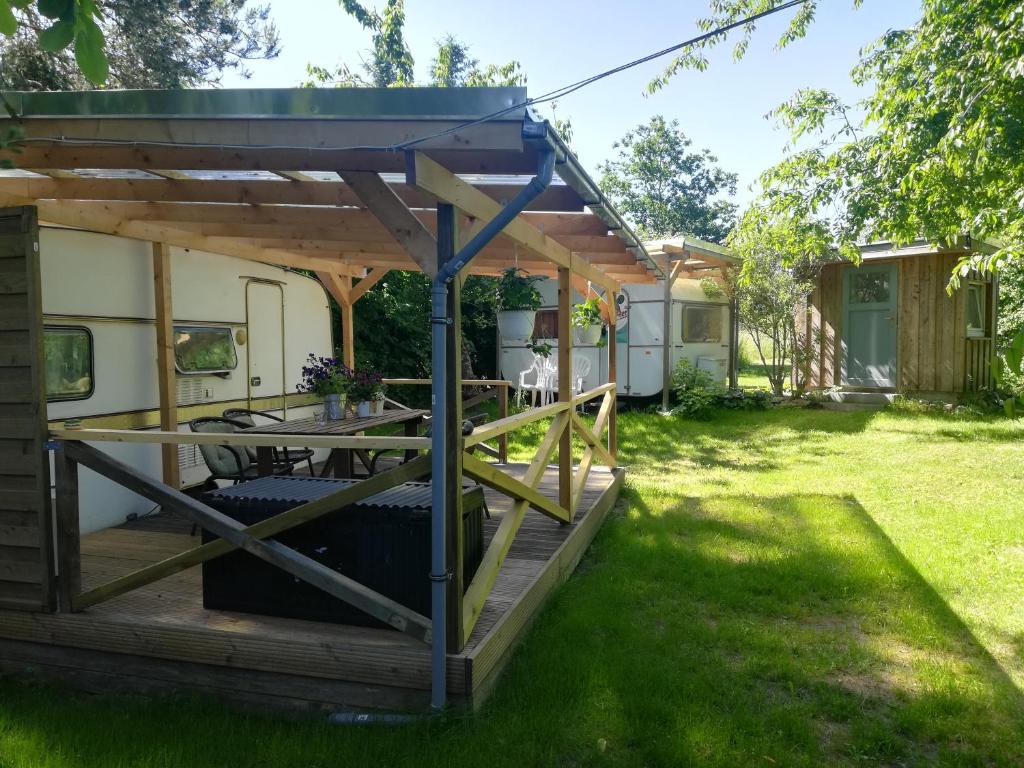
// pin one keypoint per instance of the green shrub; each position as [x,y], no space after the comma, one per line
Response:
[695,389]
[698,394]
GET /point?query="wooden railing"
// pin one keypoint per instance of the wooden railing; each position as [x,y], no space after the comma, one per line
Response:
[71,450]
[564,421]
[494,389]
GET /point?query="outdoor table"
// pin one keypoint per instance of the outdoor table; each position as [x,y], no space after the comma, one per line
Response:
[340,459]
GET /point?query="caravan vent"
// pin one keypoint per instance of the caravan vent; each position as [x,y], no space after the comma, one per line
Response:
[191,390]
[189,456]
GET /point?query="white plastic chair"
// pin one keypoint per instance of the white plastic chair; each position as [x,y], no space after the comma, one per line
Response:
[580,371]
[537,371]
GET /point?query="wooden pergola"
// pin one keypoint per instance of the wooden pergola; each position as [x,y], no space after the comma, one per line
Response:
[347,183]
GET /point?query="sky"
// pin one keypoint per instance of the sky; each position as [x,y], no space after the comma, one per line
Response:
[559,42]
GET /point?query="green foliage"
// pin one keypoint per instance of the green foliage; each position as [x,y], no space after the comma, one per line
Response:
[391,61]
[1008,372]
[1011,303]
[972,407]
[664,189]
[587,313]
[516,290]
[696,391]
[392,328]
[454,67]
[781,260]
[938,150]
[698,395]
[74,44]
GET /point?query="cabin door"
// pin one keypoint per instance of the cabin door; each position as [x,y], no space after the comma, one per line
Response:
[264,310]
[869,325]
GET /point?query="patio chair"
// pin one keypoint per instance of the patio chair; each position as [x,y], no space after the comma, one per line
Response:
[537,373]
[467,430]
[228,462]
[580,371]
[290,456]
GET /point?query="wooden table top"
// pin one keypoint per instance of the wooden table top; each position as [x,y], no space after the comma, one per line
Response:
[349,426]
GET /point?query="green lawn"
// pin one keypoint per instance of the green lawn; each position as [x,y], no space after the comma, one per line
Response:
[795,587]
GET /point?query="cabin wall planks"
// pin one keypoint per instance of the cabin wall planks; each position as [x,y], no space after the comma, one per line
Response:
[26,528]
[934,354]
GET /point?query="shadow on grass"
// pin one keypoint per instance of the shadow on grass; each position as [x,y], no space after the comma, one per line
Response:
[739,630]
[723,631]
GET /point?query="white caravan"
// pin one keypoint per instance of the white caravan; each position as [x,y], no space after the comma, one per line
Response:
[242,333]
[699,331]
[701,328]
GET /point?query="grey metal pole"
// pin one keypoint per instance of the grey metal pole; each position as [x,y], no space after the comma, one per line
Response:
[439,362]
[666,355]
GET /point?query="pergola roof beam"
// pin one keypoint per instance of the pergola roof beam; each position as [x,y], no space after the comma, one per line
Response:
[70,186]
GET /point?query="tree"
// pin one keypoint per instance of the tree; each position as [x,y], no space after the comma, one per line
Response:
[664,188]
[70,44]
[454,67]
[782,257]
[938,151]
[391,62]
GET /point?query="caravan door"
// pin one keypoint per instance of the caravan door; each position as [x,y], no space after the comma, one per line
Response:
[646,337]
[264,315]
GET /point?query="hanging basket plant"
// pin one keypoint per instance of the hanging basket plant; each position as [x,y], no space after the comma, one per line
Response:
[588,322]
[518,301]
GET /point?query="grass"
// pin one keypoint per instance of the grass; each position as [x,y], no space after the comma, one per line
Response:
[793,587]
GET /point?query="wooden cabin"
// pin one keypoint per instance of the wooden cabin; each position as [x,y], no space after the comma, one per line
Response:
[889,325]
[347,184]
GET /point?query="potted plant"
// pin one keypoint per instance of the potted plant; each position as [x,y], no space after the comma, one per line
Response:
[326,377]
[368,393]
[587,322]
[518,302]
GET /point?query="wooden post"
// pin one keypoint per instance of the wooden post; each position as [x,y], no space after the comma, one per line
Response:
[666,342]
[613,445]
[447,237]
[565,385]
[502,413]
[348,330]
[69,559]
[734,343]
[166,376]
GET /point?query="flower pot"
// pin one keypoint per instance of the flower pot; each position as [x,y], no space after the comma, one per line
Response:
[378,407]
[516,324]
[334,407]
[588,336]
[364,409]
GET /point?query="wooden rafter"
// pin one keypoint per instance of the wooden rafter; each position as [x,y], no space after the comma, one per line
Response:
[396,218]
[70,186]
[435,178]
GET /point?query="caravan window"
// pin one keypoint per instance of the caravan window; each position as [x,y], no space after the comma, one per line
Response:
[67,361]
[976,325]
[545,324]
[702,323]
[199,349]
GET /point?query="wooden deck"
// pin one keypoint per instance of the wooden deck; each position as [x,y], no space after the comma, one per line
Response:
[161,638]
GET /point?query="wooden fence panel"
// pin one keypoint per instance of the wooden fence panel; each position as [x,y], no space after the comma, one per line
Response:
[26,528]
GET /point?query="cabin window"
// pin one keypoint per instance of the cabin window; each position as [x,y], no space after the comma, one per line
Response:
[702,323]
[199,349]
[870,287]
[67,362]
[545,324]
[975,297]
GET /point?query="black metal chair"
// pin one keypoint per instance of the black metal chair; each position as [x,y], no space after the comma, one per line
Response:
[467,430]
[290,456]
[228,462]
